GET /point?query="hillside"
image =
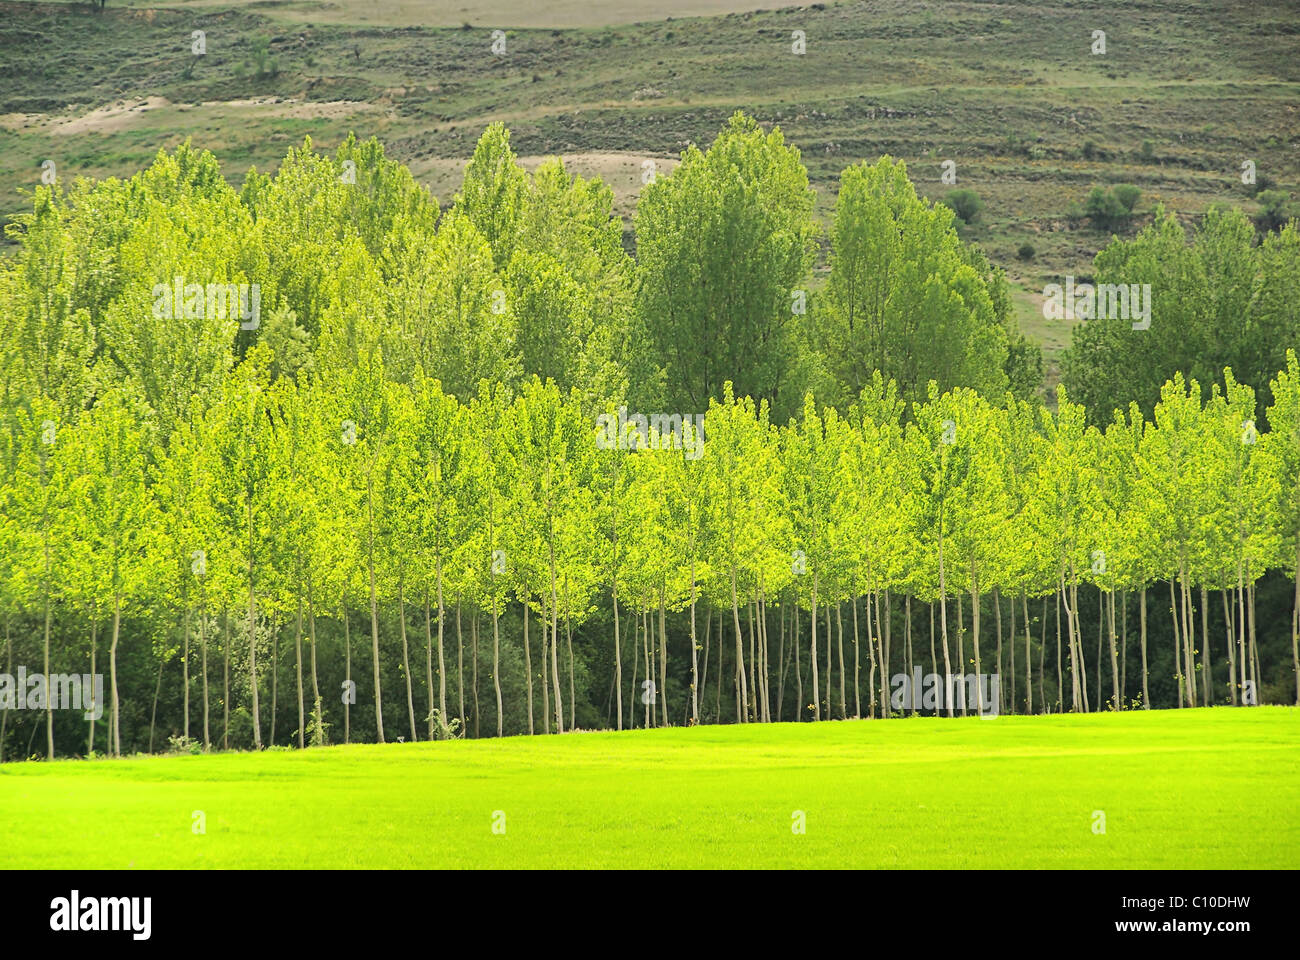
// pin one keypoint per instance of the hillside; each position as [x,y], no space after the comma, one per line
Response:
[1008,91]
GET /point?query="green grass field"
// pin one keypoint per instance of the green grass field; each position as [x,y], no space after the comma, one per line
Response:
[1179,788]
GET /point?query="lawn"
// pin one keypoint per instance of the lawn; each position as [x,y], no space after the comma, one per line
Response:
[1215,787]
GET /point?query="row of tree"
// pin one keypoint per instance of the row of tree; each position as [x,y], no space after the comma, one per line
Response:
[358,499]
[241,422]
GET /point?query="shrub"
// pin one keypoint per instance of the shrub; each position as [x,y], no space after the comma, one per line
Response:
[1104,209]
[184,744]
[966,204]
[1026,251]
[1148,150]
[1127,195]
[1276,208]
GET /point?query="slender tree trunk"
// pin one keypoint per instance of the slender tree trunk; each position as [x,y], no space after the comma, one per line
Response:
[857,686]
[442,659]
[496,665]
[798,658]
[1076,701]
[203,645]
[347,653]
[708,637]
[663,663]
[1254,651]
[9,669]
[1178,641]
[153,714]
[90,736]
[318,704]
[695,674]
[406,661]
[225,692]
[112,670]
[528,664]
[1142,613]
[496,669]
[460,665]
[1295,625]
[943,621]
[1029,663]
[1011,648]
[839,624]
[961,648]
[740,648]
[882,627]
[185,674]
[297,645]
[1060,679]
[49,705]
[1207,686]
[555,657]
[275,674]
[618,658]
[252,636]
[1123,649]
[1232,659]
[568,636]
[428,671]
[1114,658]
[872,661]
[826,613]
[975,638]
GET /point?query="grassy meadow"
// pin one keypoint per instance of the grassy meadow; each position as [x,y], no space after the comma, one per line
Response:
[1216,788]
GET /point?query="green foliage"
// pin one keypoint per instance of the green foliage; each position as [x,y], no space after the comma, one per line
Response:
[1276,208]
[965,203]
[1127,195]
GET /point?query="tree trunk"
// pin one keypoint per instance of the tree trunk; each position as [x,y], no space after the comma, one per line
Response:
[203,645]
[185,675]
[695,675]
[90,736]
[857,686]
[460,665]
[568,636]
[798,659]
[297,645]
[112,670]
[1207,665]
[740,649]
[317,703]
[618,659]
[943,621]
[225,693]
[528,665]
[1114,658]
[406,661]
[347,653]
[1142,613]
[252,636]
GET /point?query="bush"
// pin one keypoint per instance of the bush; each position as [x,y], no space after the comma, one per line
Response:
[1127,195]
[1089,150]
[1026,251]
[1104,209]
[1276,208]
[966,204]
[183,745]
[1148,150]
